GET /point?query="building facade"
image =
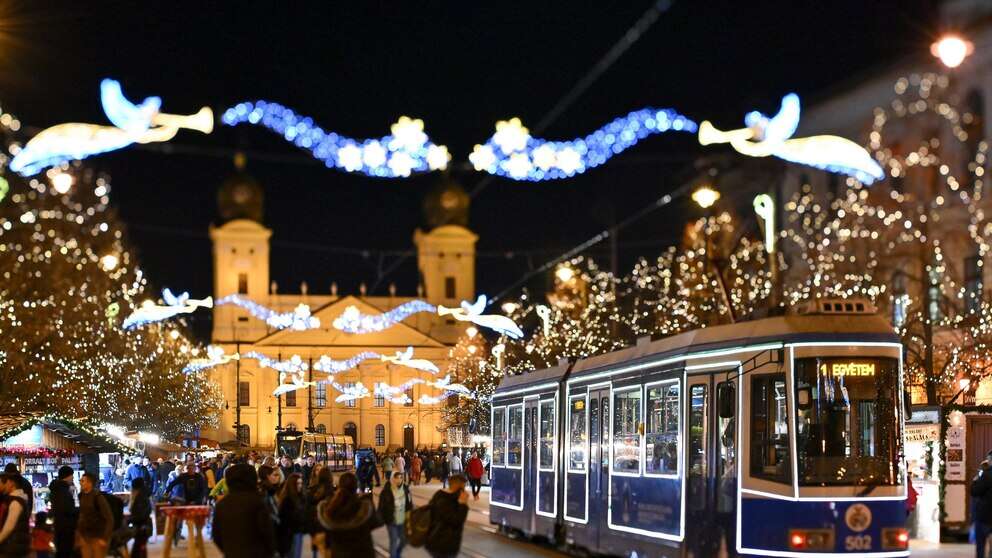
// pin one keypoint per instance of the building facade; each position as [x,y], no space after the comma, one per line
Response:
[251,414]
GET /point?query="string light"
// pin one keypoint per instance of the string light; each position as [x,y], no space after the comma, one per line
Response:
[299,319]
[405,151]
[353,321]
[513,153]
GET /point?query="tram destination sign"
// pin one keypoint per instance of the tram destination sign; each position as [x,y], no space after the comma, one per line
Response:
[848,368]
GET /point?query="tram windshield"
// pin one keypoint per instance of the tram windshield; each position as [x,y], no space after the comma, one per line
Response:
[848,428]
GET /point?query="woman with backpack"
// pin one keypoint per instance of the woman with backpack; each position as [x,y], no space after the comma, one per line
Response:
[349,520]
[395,503]
[292,517]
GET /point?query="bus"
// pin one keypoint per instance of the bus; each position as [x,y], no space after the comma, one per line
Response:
[776,437]
[332,450]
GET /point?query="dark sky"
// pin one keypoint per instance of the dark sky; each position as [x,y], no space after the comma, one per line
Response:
[356,66]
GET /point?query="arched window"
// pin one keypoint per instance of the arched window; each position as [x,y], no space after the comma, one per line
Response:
[244,434]
[380,435]
[409,438]
[351,430]
[322,428]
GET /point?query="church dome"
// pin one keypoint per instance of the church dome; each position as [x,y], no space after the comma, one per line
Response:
[447,203]
[240,195]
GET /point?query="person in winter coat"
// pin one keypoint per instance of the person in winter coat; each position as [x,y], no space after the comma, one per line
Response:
[15,534]
[292,517]
[96,521]
[445,468]
[321,488]
[64,512]
[349,520]
[981,501]
[268,487]
[140,517]
[366,473]
[25,484]
[394,504]
[242,526]
[387,467]
[449,509]
[399,465]
[191,485]
[475,470]
[416,465]
[136,471]
[429,469]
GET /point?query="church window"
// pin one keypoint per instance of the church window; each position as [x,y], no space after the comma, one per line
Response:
[242,283]
[449,287]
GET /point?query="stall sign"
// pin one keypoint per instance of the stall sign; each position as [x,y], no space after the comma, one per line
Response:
[955,454]
[921,433]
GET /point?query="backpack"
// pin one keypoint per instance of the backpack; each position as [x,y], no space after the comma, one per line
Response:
[116,509]
[418,526]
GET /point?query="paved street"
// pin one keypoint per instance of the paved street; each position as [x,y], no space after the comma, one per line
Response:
[481,540]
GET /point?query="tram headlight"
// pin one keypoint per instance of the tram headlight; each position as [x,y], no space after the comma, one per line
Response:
[811,539]
[895,538]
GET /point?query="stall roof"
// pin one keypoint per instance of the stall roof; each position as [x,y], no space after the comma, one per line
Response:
[15,423]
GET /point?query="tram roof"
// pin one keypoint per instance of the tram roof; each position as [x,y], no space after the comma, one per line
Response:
[792,328]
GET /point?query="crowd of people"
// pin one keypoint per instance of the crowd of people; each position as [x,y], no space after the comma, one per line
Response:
[262,506]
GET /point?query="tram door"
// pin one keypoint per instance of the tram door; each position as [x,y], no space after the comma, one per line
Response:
[599,463]
[711,454]
[530,458]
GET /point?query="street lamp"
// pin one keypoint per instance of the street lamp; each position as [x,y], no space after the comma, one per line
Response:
[705,197]
[951,50]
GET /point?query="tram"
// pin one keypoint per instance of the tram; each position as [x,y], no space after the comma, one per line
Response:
[334,451]
[774,437]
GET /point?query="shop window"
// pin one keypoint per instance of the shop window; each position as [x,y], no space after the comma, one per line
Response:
[626,430]
[769,428]
[515,437]
[577,434]
[547,451]
[499,436]
[662,432]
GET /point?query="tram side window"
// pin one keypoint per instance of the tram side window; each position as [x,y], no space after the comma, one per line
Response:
[514,437]
[769,428]
[577,434]
[547,435]
[499,437]
[662,437]
[626,431]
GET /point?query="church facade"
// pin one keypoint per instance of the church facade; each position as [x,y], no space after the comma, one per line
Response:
[251,414]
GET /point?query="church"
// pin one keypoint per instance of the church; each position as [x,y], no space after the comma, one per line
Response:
[250,413]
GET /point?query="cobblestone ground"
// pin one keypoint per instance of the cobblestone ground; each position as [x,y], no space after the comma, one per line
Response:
[481,540]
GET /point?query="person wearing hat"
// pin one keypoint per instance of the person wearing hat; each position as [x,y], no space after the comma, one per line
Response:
[64,512]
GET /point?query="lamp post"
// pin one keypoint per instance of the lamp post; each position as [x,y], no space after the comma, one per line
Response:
[705,196]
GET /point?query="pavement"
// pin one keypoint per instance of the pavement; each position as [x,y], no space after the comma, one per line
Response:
[480,540]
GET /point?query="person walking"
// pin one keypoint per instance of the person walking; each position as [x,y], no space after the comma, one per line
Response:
[394,504]
[15,534]
[449,510]
[387,467]
[475,470]
[64,512]
[366,473]
[96,521]
[242,526]
[269,481]
[399,465]
[140,517]
[445,468]
[349,520]
[428,468]
[981,502]
[321,488]
[416,465]
[292,517]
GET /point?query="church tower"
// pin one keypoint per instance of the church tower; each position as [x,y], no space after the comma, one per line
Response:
[241,255]
[446,252]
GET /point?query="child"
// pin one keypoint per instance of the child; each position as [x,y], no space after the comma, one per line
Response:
[42,536]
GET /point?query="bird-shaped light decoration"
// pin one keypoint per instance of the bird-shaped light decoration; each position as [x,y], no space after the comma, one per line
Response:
[405,358]
[149,312]
[473,313]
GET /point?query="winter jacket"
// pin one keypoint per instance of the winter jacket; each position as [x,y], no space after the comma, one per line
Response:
[137,471]
[96,521]
[316,495]
[387,503]
[447,522]
[16,542]
[194,488]
[292,519]
[454,464]
[349,530]
[242,526]
[141,509]
[475,469]
[64,510]
[981,494]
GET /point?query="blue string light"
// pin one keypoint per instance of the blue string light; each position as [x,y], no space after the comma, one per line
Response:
[405,151]
[299,319]
[512,152]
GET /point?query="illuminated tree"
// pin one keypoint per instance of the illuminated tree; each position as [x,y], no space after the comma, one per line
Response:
[68,281]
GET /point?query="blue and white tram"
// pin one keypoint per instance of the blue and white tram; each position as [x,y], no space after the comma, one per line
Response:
[776,437]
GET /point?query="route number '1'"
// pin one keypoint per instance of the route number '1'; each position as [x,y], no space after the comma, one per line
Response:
[857,542]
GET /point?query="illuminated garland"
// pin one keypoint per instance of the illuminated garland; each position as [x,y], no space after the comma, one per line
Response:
[353,321]
[149,312]
[299,319]
[512,152]
[405,151]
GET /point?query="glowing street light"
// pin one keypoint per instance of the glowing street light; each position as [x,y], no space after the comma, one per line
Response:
[952,50]
[705,197]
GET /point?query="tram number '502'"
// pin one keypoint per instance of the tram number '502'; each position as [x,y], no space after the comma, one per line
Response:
[857,542]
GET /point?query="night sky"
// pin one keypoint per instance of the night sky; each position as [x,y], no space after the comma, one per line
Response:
[460,66]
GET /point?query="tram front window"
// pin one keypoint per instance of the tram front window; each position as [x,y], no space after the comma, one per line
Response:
[289,446]
[847,431]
